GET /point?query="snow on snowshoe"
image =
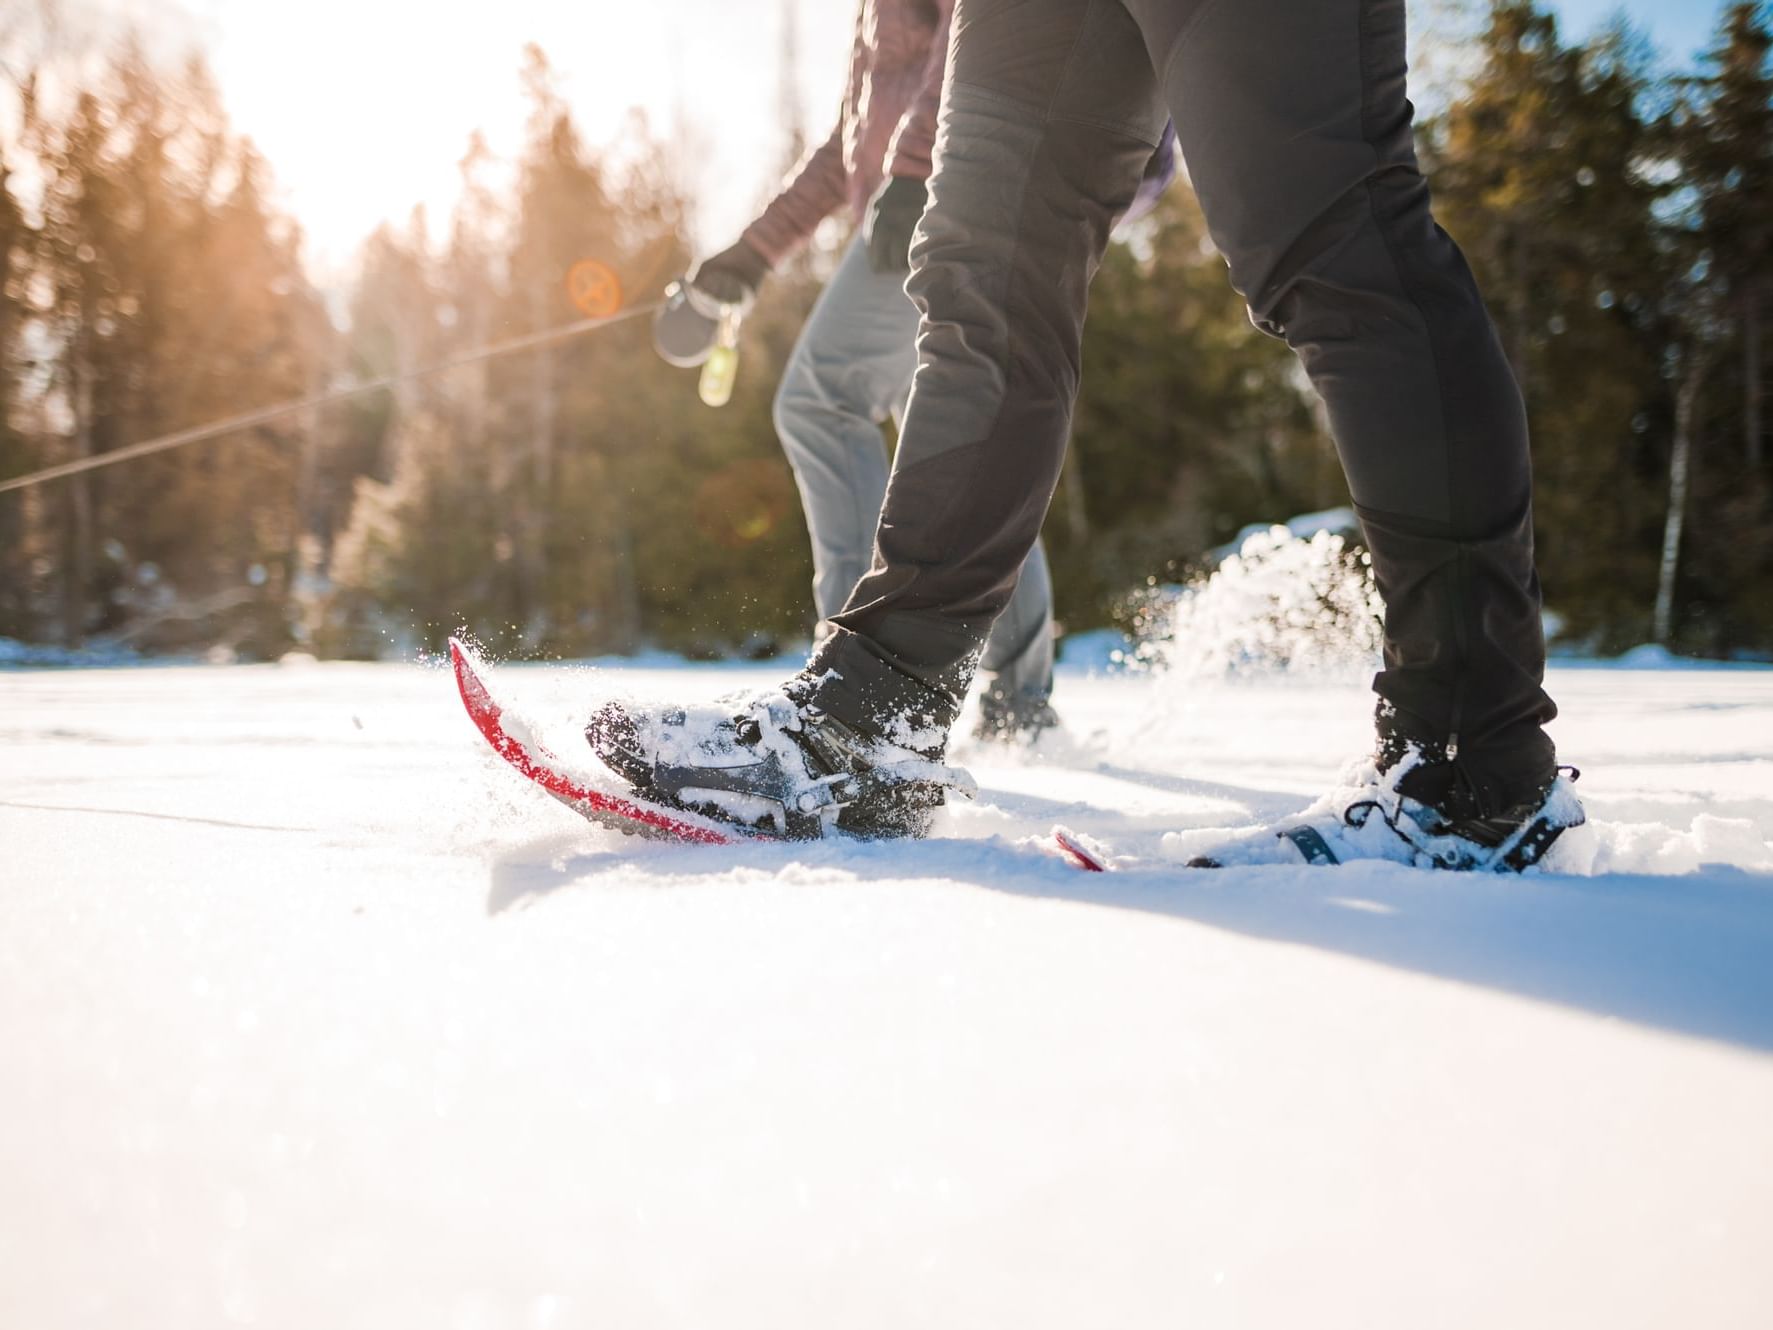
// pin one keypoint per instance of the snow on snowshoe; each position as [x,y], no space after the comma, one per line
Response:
[512,739]
[1371,817]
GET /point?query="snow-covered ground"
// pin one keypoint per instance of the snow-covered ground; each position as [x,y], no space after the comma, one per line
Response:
[314,1015]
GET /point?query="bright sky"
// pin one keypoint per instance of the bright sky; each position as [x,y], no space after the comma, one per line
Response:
[364,106]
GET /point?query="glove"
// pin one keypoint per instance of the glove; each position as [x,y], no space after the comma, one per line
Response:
[892,217]
[733,275]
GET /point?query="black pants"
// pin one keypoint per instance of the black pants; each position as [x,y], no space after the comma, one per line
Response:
[1296,133]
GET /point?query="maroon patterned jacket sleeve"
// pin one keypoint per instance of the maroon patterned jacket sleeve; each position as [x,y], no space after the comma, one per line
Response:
[819,185]
[909,152]
[815,190]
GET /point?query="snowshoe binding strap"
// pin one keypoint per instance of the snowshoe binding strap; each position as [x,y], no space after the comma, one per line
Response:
[778,770]
[1309,841]
[1510,842]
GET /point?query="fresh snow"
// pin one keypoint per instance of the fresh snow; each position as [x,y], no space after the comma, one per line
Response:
[316,1014]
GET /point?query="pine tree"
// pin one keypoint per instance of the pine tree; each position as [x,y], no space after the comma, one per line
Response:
[1542,170]
[18,240]
[384,443]
[1722,139]
[1726,145]
[174,296]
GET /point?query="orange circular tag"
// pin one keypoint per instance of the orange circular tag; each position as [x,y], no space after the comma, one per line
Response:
[594,288]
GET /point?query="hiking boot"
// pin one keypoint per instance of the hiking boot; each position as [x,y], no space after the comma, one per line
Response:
[1459,814]
[1423,809]
[1012,718]
[774,767]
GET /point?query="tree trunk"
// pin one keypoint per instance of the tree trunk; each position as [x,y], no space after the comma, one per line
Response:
[627,583]
[304,560]
[1327,483]
[77,558]
[1071,486]
[1680,466]
[533,539]
[1751,374]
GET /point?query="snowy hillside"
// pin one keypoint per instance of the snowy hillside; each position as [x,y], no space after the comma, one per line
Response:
[314,1015]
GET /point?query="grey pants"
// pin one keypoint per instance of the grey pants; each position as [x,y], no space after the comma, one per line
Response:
[1295,129]
[849,371]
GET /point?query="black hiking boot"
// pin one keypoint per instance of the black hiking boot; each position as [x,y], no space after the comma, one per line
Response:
[1419,805]
[1013,718]
[774,767]
[1470,811]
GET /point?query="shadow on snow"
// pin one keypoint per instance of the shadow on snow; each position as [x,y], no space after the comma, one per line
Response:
[1689,955]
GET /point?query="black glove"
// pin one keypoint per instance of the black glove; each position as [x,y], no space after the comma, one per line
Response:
[733,275]
[892,217]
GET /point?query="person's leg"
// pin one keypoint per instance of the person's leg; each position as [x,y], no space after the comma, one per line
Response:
[1295,127]
[1049,116]
[1018,656]
[1296,131]
[849,371]
[1293,117]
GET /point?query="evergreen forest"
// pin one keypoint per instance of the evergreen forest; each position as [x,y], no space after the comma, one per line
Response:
[580,499]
